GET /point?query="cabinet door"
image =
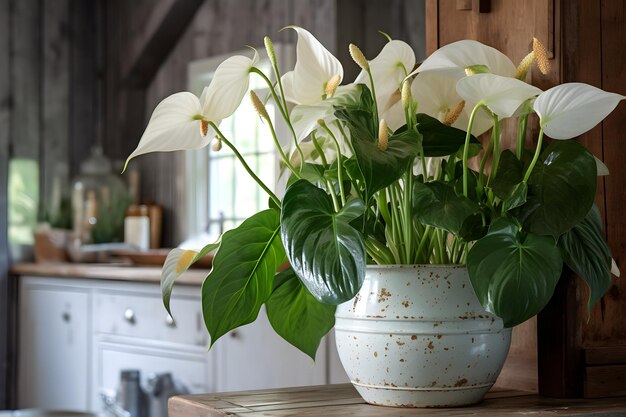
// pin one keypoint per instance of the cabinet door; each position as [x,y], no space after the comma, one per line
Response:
[54,347]
[188,366]
[255,357]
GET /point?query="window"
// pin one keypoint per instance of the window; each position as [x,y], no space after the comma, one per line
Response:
[220,193]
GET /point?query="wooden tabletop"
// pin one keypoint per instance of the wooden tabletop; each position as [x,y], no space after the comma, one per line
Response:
[103,271]
[343,400]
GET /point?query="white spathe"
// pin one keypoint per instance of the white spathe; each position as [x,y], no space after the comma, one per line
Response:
[452,59]
[502,95]
[389,69]
[315,66]
[571,109]
[176,122]
[174,125]
[436,95]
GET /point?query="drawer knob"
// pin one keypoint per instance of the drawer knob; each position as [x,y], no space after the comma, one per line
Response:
[169,321]
[129,315]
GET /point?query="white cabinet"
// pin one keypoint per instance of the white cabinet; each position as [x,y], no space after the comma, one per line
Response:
[54,346]
[76,335]
[255,357]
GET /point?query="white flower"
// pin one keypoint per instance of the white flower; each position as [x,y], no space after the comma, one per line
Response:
[389,69]
[452,59]
[436,96]
[571,109]
[315,68]
[502,95]
[180,121]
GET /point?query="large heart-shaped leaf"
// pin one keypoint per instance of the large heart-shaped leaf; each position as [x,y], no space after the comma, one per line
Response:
[561,189]
[177,262]
[243,273]
[508,183]
[514,273]
[327,253]
[440,139]
[380,168]
[296,315]
[585,251]
[437,204]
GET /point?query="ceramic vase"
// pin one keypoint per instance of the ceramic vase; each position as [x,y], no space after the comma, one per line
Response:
[416,336]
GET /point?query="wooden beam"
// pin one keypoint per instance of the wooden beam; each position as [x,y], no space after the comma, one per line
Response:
[150,45]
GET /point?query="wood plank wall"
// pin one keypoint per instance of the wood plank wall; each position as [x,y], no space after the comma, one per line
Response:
[224,26]
[47,113]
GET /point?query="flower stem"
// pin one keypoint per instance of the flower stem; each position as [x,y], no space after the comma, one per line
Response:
[339,164]
[521,135]
[280,150]
[369,73]
[535,158]
[467,143]
[495,161]
[245,164]
[282,106]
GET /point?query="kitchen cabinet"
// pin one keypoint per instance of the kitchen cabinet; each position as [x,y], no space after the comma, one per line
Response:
[54,346]
[76,335]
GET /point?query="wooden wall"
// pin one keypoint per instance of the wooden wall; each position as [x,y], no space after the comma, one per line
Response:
[574,356]
[219,27]
[47,112]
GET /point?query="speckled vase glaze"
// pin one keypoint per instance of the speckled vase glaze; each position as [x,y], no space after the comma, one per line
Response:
[416,336]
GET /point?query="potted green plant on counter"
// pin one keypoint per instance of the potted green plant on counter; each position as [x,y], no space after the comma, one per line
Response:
[423,260]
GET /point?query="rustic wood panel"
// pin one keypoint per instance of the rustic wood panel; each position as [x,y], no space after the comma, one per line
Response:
[5,122]
[605,355]
[25,78]
[85,30]
[55,94]
[607,325]
[605,381]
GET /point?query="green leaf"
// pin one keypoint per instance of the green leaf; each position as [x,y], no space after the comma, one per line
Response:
[327,253]
[381,168]
[437,204]
[177,262]
[586,253]
[510,174]
[561,189]
[514,273]
[440,139]
[296,315]
[243,273]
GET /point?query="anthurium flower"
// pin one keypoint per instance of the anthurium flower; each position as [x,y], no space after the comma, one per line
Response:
[452,59]
[181,121]
[316,73]
[389,69]
[437,97]
[571,109]
[502,95]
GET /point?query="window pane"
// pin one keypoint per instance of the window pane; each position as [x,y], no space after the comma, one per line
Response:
[221,186]
[246,191]
[266,171]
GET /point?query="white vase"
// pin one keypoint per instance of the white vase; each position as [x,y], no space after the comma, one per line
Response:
[416,336]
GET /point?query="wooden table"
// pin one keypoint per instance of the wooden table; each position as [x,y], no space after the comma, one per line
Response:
[343,400]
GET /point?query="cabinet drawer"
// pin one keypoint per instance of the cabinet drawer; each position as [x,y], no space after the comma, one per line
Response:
[144,316]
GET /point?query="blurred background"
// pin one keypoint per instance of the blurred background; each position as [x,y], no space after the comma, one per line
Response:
[78,82]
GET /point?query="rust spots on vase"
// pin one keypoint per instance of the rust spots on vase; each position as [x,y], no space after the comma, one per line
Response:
[375,354]
[430,345]
[399,342]
[383,295]
[414,337]
[406,303]
[460,382]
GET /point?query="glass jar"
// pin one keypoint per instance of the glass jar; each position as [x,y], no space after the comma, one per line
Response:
[99,201]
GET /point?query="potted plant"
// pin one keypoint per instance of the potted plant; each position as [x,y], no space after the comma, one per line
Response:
[425,260]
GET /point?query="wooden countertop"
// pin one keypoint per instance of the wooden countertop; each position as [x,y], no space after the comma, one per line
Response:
[343,400]
[103,271]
